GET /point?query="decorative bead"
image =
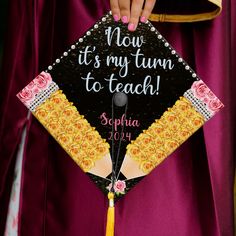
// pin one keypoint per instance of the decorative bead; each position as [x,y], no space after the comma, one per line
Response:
[194,75]
[57,60]
[186,67]
[88,33]
[166,44]
[50,67]
[173,52]
[180,60]
[159,36]
[72,46]
[81,40]
[65,54]
[95,26]
[104,19]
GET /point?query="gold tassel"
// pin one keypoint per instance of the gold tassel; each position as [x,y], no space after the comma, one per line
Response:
[110,229]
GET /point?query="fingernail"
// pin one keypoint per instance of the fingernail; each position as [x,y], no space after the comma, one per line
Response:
[131,27]
[124,19]
[116,18]
[143,19]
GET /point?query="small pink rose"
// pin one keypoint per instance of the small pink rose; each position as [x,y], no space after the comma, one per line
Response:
[200,89]
[195,84]
[47,76]
[120,186]
[43,80]
[215,105]
[26,95]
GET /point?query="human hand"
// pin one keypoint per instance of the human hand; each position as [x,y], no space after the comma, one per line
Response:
[130,11]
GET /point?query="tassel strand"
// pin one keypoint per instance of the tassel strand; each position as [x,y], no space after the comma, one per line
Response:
[110,228]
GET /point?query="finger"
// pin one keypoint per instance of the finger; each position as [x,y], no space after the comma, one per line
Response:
[115,9]
[124,10]
[149,5]
[136,9]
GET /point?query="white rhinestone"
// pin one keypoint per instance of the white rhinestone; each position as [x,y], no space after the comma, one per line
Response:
[57,60]
[166,44]
[104,19]
[72,46]
[88,33]
[194,75]
[81,40]
[96,26]
[65,54]
[180,59]
[50,67]
[173,52]
[187,67]
[153,29]
[159,36]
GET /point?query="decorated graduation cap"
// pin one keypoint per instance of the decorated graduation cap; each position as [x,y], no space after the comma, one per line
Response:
[119,103]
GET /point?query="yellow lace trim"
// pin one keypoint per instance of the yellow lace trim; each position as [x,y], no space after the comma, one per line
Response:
[72,131]
[165,135]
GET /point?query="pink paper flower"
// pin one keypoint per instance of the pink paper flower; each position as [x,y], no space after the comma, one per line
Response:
[215,105]
[43,80]
[200,89]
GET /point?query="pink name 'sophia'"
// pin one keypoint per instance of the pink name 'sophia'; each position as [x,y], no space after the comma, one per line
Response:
[128,122]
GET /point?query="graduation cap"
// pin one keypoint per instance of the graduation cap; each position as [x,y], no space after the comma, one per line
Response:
[119,103]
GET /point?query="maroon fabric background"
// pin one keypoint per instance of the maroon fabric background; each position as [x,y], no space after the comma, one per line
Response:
[191,193]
